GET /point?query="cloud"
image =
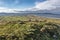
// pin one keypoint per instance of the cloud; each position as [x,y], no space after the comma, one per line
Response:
[7,10]
[48,5]
[51,6]
[4,7]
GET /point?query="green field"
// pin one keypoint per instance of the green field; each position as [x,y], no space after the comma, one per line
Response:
[29,28]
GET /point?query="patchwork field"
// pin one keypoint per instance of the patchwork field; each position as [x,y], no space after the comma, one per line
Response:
[29,28]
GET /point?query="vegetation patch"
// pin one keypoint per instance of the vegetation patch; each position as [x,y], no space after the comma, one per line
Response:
[29,28]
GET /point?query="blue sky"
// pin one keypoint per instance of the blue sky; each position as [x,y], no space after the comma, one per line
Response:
[30,5]
[18,3]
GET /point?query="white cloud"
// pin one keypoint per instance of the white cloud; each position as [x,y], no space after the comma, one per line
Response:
[7,10]
[48,5]
[52,6]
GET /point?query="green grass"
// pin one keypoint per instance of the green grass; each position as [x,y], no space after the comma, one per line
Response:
[22,28]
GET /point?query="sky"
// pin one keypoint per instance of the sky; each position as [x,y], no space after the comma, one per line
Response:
[31,5]
[18,3]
